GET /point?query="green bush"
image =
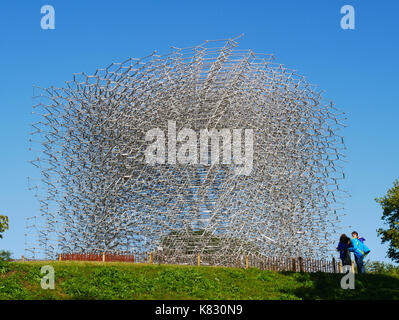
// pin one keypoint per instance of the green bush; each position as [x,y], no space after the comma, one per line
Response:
[5,255]
[379,267]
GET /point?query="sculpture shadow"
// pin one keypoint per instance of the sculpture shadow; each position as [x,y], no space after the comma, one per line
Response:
[327,286]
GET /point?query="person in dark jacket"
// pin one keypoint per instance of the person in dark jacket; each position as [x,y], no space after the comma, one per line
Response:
[343,248]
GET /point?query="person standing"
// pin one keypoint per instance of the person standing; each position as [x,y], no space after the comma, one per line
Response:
[343,248]
[361,239]
[359,250]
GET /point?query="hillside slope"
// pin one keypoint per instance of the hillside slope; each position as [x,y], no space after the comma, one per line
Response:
[92,280]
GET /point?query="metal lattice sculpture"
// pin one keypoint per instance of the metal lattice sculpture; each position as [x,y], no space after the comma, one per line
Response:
[100,193]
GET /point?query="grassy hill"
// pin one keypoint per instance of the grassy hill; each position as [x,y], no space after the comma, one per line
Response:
[94,280]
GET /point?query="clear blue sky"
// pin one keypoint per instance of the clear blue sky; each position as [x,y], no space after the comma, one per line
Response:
[358,69]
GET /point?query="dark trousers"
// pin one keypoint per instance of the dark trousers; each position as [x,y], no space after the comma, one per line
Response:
[360,264]
[346,261]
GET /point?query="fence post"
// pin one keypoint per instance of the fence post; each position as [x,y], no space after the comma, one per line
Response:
[22,258]
[199,259]
[340,267]
[353,267]
[246,263]
[103,256]
[333,262]
[300,260]
[59,257]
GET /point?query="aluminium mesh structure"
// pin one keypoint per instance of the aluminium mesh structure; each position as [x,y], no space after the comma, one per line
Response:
[97,191]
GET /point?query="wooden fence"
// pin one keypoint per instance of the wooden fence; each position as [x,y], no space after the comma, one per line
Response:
[250,261]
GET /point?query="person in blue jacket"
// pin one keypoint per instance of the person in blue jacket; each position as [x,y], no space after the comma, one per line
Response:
[359,250]
[343,248]
[362,239]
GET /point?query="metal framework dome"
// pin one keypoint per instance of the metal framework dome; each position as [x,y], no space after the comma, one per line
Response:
[99,192]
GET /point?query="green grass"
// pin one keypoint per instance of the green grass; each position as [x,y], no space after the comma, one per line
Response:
[92,280]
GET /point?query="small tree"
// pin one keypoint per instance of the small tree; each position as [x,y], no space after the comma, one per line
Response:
[5,255]
[390,215]
[3,225]
[378,267]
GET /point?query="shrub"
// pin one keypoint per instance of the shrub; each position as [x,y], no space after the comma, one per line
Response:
[5,255]
[379,267]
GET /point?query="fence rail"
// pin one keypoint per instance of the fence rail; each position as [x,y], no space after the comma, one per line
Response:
[250,261]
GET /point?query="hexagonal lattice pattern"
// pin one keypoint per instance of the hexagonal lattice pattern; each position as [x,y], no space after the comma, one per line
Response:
[99,194]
